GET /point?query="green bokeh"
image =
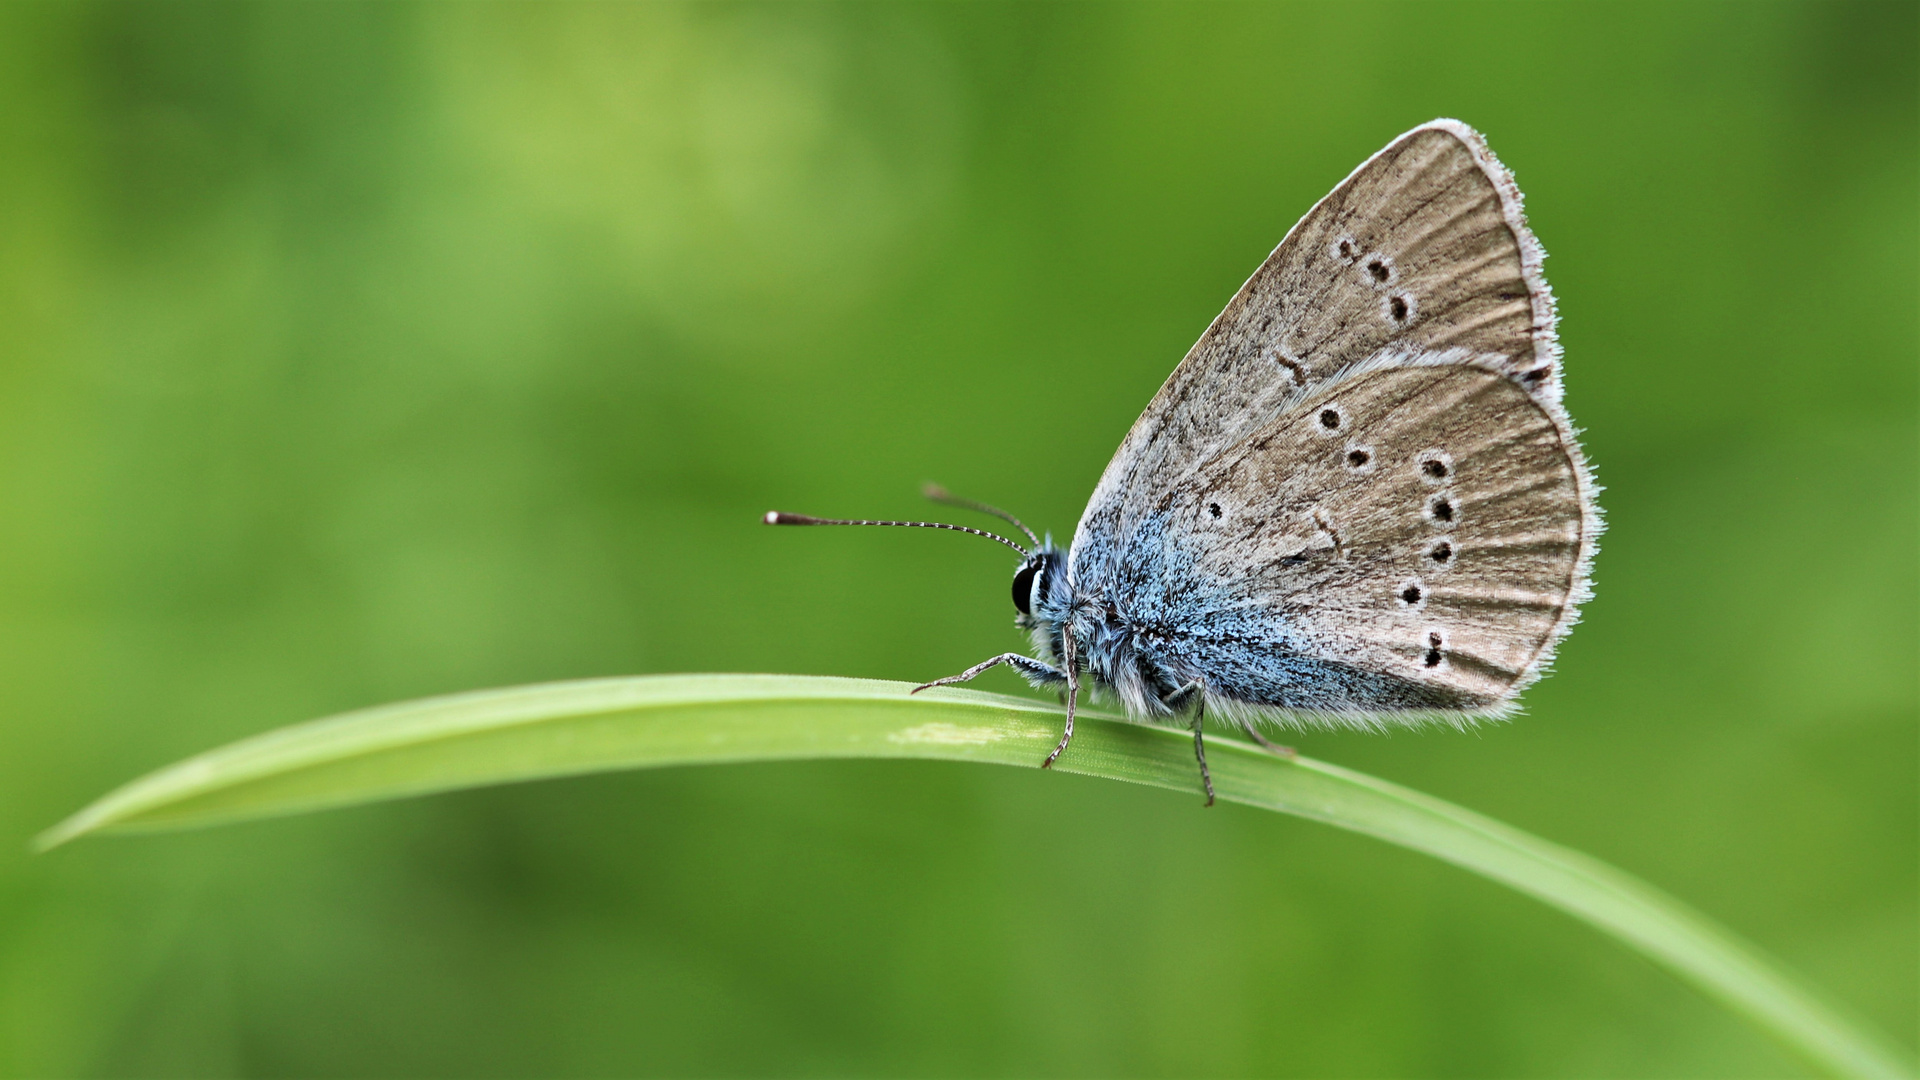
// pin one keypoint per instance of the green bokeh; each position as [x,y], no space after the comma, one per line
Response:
[351,353]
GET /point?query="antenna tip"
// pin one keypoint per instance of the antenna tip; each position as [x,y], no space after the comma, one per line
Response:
[934,492]
[772,518]
[775,517]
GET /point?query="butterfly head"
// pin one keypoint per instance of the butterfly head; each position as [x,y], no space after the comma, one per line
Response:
[1038,580]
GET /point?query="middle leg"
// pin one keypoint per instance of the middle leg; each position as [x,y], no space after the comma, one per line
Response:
[1176,701]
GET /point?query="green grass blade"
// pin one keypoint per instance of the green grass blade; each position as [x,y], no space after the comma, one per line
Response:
[563,729]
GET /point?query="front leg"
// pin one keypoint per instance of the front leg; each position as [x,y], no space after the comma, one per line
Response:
[1035,671]
[1073,698]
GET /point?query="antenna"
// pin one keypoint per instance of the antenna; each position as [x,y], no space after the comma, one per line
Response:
[775,517]
[942,495]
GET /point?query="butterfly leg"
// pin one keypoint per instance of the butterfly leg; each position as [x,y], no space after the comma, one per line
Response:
[1036,672]
[1287,752]
[1178,700]
[1025,665]
[1073,699]
[1200,751]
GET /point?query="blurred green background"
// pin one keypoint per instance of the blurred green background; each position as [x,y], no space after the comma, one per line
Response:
[351,353]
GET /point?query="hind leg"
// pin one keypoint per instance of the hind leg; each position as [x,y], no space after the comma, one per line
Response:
[1287,752]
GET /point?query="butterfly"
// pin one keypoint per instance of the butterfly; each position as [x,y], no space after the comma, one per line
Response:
[1357,502]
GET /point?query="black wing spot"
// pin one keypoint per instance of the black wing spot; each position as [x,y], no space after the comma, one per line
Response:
[1214,509]
[1441,508]
[1398,309]
[1441,552]
[1330,419]
[1537,375]
[1434,644]
[1378,267]
[1411,594]
[1346,250]
[1358,458]
[1433,465]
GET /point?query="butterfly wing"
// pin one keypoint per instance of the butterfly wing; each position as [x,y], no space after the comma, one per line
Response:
[1413,537]
[1424,247]
[1417,274]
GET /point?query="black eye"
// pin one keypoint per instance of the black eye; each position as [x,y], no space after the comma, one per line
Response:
[1023,588]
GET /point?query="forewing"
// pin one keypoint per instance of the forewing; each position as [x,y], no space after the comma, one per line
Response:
[1420,528]
[1423,248]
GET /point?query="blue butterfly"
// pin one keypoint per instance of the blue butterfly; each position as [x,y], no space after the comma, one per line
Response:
[1358,501]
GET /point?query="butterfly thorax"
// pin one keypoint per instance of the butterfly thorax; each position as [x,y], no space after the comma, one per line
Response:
[1104,639]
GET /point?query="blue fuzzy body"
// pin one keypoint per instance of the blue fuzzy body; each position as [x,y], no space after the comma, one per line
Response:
[1146,624]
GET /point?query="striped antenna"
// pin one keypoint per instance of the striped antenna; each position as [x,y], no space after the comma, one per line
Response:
[942,495]
[775,517]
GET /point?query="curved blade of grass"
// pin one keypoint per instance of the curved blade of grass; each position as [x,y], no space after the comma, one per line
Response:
[563,729]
